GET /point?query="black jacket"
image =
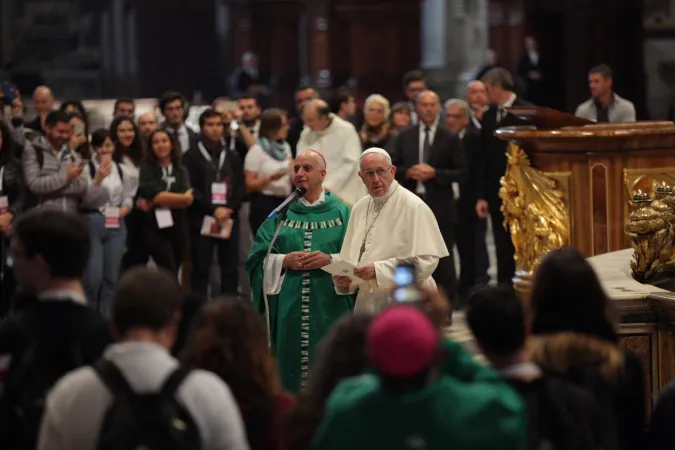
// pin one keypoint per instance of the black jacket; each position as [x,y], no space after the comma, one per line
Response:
[472,143]
[203,174]
[14,186]
[445,155]
[50,329]
[491,164]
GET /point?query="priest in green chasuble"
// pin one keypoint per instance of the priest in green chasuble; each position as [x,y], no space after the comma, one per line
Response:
[303,303]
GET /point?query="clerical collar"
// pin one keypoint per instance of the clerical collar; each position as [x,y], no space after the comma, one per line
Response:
[304,202]
[380,200]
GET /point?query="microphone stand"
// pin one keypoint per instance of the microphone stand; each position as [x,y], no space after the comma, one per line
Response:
[282,220]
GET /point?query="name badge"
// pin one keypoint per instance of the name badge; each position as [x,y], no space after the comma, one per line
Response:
[112,217]
[4,204]
[219,193]
[164,218]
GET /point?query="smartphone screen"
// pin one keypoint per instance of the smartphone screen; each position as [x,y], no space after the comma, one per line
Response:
[405,279]
[78,129]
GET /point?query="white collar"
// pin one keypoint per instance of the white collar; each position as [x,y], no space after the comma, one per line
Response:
[476,122]
[509,103]
[432,127]
[62,295]
[462,133]
[322,198]
[389,193]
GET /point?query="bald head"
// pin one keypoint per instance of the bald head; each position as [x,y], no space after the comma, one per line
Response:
[312,157]
[428,107]
[309,171]
[147,123]
[44,100]
[316,114]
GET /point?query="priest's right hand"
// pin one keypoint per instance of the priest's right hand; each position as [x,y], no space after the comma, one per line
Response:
[293,260]
[482,209]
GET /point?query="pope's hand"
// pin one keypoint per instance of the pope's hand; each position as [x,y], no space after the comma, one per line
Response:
[293,261]
[366,272]
[342,282]
[315,260]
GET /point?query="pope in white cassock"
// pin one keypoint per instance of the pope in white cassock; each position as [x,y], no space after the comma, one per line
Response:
[389,226]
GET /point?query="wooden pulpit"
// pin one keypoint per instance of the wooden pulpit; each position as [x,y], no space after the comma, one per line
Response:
[570,181]
[595,169]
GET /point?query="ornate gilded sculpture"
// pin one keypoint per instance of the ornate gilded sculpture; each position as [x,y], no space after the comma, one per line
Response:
[535,210]
[650,227]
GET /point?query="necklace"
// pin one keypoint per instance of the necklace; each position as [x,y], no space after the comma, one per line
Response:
[368,228]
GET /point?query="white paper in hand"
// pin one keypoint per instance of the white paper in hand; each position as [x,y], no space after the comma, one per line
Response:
[343,269]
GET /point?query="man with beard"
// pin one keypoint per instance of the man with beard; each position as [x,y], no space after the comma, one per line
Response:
[52,170]
[301,300]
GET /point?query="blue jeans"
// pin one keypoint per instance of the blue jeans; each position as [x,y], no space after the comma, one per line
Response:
[107,249]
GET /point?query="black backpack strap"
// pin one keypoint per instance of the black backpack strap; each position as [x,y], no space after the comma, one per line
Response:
[113,378]
[174,381]
[92,169]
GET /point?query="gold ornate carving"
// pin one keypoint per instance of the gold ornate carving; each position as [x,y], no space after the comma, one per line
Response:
[651,233]
[535,208]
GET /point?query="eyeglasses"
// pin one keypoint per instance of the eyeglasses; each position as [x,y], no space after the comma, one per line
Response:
[370,174]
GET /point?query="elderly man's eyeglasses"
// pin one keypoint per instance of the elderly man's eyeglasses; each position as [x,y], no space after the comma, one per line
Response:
[370,174]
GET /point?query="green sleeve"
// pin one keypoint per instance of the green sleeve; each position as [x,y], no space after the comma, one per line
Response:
[254,264]
[458,363]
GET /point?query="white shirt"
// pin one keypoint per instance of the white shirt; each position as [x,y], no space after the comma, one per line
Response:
[534,57]
[77,404]
[120,190]
[259,162]
[422,135]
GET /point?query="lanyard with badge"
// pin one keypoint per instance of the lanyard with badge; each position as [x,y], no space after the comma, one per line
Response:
[219,188]
[163,215]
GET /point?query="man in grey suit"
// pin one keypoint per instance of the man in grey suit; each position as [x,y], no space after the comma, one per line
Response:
[429,159]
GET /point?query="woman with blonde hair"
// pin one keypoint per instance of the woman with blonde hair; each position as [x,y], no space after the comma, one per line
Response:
[376,131]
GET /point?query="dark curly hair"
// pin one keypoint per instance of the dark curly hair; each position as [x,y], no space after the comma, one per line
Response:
[135,151]
[341,354]
[230,340]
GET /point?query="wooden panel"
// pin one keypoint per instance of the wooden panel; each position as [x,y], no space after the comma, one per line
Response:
[169,61]
[506,20]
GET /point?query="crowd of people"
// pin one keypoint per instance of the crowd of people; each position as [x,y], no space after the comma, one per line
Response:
[305,339]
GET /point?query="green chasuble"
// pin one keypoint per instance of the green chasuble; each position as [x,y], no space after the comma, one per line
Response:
[307,304]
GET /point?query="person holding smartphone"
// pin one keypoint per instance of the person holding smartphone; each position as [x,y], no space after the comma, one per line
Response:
[106,219]
[267,167]
[164,193]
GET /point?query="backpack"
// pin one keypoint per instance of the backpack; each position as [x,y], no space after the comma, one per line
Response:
[154,421]
[43,362]
[92,171]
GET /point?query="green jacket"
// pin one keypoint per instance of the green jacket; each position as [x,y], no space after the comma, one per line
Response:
[469,407]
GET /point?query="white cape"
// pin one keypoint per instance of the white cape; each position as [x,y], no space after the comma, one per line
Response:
[340,144]
[405,230]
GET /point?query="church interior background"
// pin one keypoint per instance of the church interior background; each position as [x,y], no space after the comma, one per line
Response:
[101,48]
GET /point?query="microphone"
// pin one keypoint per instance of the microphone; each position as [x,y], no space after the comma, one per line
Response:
[281,209]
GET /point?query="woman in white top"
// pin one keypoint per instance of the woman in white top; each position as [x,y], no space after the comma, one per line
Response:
[130,154]
[267,166]
[106,219]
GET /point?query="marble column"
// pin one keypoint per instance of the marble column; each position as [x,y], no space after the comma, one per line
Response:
[454,43]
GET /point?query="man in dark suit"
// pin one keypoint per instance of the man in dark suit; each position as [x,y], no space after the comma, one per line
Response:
[492,165]
[471,230]
[428,159]
[172,105]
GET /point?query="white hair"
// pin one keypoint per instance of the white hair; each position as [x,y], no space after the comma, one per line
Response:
[463,105]
[377,98]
